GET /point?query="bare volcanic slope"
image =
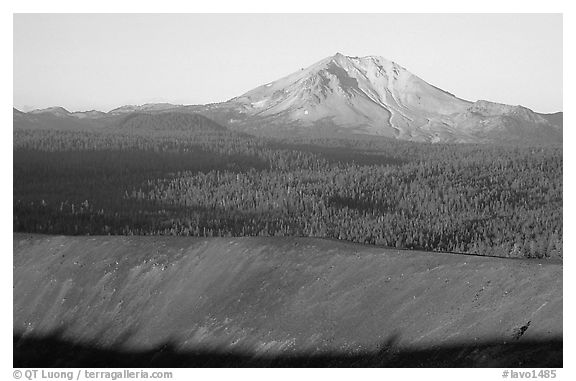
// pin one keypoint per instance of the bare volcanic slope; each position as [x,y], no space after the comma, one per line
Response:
[268,298]
[372,95]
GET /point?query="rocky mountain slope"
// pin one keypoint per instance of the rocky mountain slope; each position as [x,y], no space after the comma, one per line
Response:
[371,95]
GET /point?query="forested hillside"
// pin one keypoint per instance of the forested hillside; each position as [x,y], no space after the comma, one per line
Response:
[200,179]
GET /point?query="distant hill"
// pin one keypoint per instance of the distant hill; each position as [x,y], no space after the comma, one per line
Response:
[555,118]
[148,107]
[168,122]
[55,111]
[140,122]
[57,118]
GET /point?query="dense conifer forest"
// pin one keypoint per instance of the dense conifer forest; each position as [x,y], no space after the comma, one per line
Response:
[146,178]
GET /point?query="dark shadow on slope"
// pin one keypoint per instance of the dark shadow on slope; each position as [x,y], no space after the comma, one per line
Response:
[345,153]
[54,351]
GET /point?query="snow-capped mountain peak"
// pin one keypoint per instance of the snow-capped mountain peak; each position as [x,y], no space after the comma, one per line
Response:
[373,95]
[368,94]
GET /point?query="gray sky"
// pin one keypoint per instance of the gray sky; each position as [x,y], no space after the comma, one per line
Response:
[102,61]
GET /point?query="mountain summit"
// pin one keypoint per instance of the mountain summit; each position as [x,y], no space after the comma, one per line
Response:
[366,95]
[375,96]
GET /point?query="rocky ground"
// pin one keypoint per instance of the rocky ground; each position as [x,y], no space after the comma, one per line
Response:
[277,302]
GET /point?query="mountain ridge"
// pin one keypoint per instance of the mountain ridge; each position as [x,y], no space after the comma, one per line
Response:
[349,95]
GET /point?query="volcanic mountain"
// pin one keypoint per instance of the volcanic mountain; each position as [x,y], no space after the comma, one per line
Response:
[365,95]
[343,95]
[375,96]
